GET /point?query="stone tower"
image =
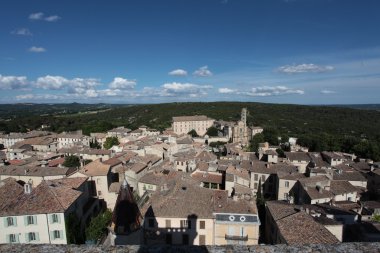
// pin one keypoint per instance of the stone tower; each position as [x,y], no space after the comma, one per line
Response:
[244,116]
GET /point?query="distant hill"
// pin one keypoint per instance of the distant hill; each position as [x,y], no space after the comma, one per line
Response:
[319,127]
[361,106]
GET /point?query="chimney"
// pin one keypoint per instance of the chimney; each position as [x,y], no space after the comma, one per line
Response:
[28,187]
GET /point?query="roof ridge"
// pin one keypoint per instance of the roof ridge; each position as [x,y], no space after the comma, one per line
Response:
[54,194]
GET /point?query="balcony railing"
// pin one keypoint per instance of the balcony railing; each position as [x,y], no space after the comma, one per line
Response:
[237,237]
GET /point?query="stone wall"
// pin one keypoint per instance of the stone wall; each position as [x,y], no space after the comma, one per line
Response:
[339,248]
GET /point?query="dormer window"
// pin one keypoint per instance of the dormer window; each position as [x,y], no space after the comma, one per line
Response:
[27,188]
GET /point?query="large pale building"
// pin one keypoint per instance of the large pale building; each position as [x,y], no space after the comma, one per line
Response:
[184,124]
[39,215]
[186,213]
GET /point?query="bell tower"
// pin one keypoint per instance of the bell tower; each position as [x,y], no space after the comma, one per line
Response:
[244,116]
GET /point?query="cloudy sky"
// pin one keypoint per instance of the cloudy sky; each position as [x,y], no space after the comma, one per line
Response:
[140,51]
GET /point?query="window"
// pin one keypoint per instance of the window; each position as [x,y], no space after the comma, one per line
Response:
[287,184]
[262,178]
[256,177]
[10,222]
[255,186]
[202,240]
[56,234]
[99,193]
[168,223]
[286,195]
[184,223]
[32,236]
[151,223]
[12,238]
[54,218]
[30,220]
[202,224]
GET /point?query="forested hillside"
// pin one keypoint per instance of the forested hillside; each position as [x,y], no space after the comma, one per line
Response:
[319,127]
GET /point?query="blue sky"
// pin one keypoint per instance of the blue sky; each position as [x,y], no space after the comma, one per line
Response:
[140,51]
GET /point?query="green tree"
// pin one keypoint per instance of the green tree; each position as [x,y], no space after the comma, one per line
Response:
[71,161]
[193,133]
[98,225]
[73,234]
[110,142]
[95,144]
[271,135]
[376,217]
[280,152]
[212,131]
[254,144]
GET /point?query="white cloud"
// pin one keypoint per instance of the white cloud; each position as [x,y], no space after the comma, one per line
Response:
[192,90]
[13,82]
[327,92]
[22,32]
[37,49]
[52,18]
[30,97]
[263,91]
[202,72]
[226,91]
[41,16]
[175,90]
[74,86]
[304,68]
[36,16]
[51,82]
[178,72]
[122,83]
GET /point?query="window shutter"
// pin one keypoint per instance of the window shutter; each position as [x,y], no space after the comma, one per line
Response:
[5,222]
[14,221]
[62,234]
[37,237]
[59,218]
[17,238]
[26,237]
[8,238]
[50,218]
[35,219]
[25,220]
[51,235]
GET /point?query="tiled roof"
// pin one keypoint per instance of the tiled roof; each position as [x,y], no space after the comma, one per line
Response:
[33,171]
[48,197]
[297,156]
[191,118]
[56,162]
[207,177]
[280,209]
[349,176]
[318,193]
[332,155]
[341,187]
[206,156]
[179,201]
[112,161]
[7,186]
[243,173]
[300,228]
[96,168]
[306,231]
